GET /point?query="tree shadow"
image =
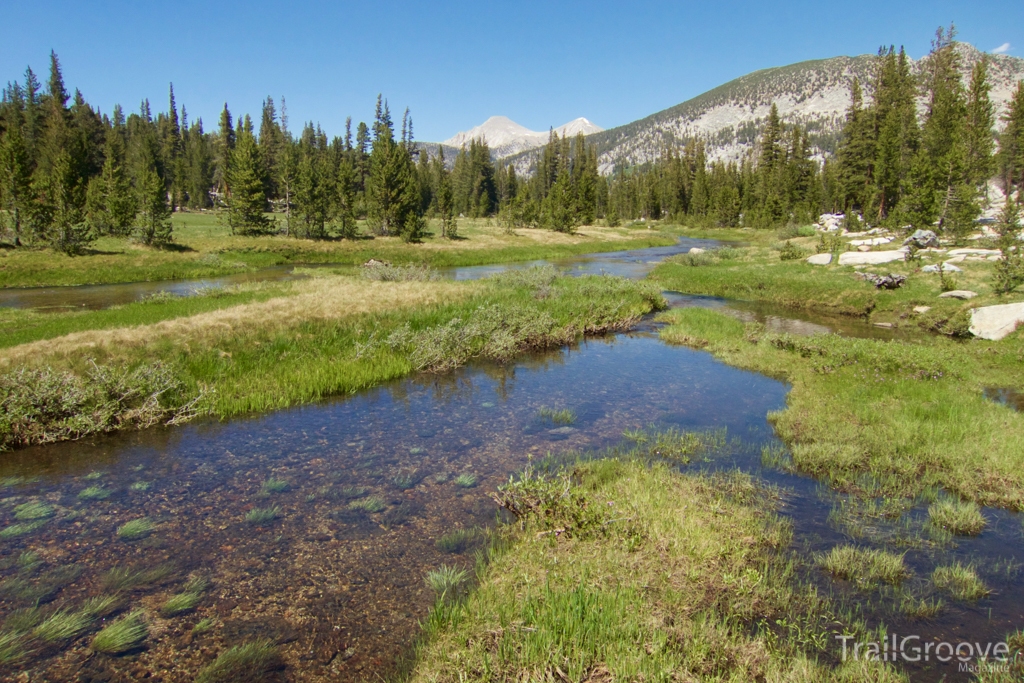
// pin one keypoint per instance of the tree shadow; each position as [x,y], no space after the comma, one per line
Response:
[178,248]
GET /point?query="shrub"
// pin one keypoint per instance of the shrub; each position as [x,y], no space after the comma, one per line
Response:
[791,252]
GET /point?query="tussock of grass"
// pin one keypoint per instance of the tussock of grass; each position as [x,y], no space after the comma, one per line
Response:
[202,626]
[94,493]
[101,605]
[920,608]
[125,634]
[864,566]
[368,504]
[12,647]
[33,510]
[273,485]
[140,486]
[242,663]
[21,529]
[126,578]
[666,573]
[186,600]
[960,581]
[411,272]
[62,625]
[459,540]
[565,416]
[446,582]
[466,480]
[135,529]
[957,516]
[261,516]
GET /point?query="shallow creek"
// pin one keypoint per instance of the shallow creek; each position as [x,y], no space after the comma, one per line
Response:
[342,589]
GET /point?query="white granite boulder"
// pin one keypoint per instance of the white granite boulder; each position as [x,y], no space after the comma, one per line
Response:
[946,268]
[923,239]
[820,259]
[995,322]
[958,294]
[871,258]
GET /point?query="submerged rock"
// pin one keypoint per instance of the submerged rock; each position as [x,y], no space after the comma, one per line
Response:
[996,322]
[958,294]
[923,239]
[820,259]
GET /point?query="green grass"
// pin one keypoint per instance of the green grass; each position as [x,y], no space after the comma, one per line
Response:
[140,486]
[126,578]
[12,647]
[466,480]
[920,608]
[21,529]
[883,418]
[565,416]
[202,626]
[135,529]
[62,625]
[957,516]
[960,582]
[367,504]
[674,577]
[261,516]
[101,605]
[445,581]
[205,248]
[94,493]
[125,634]
[242,663]
[274,486]
[187,599]
[33,510]
[460,540]
[866,567]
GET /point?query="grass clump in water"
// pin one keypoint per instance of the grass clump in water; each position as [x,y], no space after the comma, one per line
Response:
[261,516]
[21,529]
[920,608]
[32,511]
[368,504]
[135,529]
[242,663]
[12,647]
[125,578]
[459,540]
[62,625]
[140,486]
[185,600]
[94,493]
[350,492]
[101,605]
[446,582]
[273,485]
[466,480]
[202,626]
[960,582]
[123,635]
[957,516]
[864,566]
[565,416]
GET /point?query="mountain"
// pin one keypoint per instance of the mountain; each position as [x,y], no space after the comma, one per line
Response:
[815,94]
[505,137]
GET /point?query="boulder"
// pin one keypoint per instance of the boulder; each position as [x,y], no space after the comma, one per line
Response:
[956,259]
[974,252]
[946,268]
[874,241]
[890,281]
[820,259]
[696,250]
[923,239]
[870,258]
[863,247]
[995,322]
[958,294]
[922,309]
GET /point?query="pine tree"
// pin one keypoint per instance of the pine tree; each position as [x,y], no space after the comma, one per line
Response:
[112,205]
[345,199]
[154,226]
[313,195]
[857,152]
[978,129]
[391,192]
[444,199]
[224,146]
[68,231]
[896,130]
[1011,143]
[1009,269]
[15,174]
[246,199]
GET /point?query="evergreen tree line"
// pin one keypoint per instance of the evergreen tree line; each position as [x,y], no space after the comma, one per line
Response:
[69,174]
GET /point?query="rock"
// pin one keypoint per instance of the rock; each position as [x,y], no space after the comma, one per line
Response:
[993,258]
[923,238]
[863,247]
[995,322]
[820,259]
[922,309]
[946,268]
[870,258]
[831,222]
[874,241]
[958,294]
[956,259]
[373,263]
[890,281]
[974,252]
[696,250]
[886,325]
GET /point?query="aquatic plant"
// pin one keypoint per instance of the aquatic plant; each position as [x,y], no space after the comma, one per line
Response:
[33,510]
[101,605]
[28,561]
[11,647]
[273,485]
[864,566]
[125,634]
[349,492]
[124,578]
[565,416]
[409,273]
[21,528]
[140,486]
[776,456]
[446,581]
[135,529]
[22,620]
[920,608]
[62,625]
[242,663]
[258,516]
[10,482]
[202,626]
[960,581]
[94,493]
[406,480]
[459,540]
[92,476]
[638,436]
[187,599]
[962,517]
[466,481]
[368,504]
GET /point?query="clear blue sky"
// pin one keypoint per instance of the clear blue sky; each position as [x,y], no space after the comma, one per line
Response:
[457,63]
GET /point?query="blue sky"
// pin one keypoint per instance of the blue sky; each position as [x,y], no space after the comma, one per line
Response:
[457,63]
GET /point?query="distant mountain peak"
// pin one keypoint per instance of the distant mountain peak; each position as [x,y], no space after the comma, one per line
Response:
[505,137]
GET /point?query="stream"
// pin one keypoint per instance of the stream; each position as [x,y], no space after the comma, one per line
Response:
[364,486]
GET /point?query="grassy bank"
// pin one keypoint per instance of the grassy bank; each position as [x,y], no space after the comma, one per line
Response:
[757,272]
[204,247]
[329,335]
[623,570]
[884,418]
